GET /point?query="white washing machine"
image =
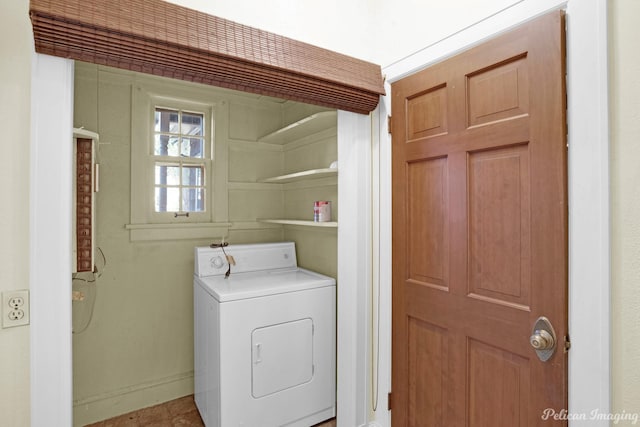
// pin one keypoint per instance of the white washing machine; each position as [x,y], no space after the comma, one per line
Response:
[264,338]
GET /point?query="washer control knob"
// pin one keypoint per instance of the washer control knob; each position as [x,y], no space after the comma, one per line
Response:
[217,262]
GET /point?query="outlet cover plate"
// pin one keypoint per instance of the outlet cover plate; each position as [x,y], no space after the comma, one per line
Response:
[15,308]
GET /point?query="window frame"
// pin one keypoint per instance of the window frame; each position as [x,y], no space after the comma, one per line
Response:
[145,224]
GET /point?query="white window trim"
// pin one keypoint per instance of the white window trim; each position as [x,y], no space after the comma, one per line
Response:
[146,224]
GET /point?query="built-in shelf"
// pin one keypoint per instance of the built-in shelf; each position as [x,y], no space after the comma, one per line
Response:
[308,174]
[307,126]
[330,224]
[310,125]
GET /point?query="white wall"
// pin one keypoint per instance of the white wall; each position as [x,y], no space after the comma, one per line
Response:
[413,25]
[378,31]
[15,83]
[625,202]
[344,26]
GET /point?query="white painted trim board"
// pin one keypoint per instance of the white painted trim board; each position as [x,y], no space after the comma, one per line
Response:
[50,240]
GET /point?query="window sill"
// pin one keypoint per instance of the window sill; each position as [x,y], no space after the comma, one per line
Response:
[194,230]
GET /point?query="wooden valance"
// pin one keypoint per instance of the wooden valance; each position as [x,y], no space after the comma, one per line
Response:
[156,37]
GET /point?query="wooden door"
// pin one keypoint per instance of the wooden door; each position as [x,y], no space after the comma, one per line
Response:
[480,233]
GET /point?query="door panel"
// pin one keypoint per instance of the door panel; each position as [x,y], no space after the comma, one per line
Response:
[427,113]
[479,233]
[427,182]
[498,93]
[428,353]
[498,387]
[282,357]
[499,230]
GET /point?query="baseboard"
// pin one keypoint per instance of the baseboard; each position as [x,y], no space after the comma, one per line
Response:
[102,406]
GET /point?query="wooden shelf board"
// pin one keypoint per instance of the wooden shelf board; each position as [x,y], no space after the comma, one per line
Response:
[297,176]
[331,224]
[303,127]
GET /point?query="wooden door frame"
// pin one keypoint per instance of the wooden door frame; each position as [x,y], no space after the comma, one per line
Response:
[588,175]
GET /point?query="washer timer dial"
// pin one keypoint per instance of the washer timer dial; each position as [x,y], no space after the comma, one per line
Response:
[217,262]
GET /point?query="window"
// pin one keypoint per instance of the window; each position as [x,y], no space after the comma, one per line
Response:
[179,158]
[180,170]
[177,190]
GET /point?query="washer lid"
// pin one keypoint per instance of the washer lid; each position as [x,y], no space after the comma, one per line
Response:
[262,283]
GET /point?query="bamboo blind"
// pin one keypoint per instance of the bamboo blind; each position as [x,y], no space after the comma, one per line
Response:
[155,37]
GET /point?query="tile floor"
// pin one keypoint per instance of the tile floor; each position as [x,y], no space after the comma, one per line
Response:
[176,413]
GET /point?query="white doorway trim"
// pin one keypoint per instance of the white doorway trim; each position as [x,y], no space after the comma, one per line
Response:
[589,265]
[50,256]
[50,240]
[354,267]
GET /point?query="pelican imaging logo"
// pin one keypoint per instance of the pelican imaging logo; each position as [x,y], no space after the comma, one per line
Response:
[594,415]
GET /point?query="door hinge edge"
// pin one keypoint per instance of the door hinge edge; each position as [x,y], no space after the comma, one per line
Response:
[389,401]
[389,124]
[567,343]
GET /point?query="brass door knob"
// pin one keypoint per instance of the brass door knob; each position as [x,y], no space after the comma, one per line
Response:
[542,340]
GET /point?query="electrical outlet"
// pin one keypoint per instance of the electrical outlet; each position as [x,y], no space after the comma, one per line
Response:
[15,308]
[16,302]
